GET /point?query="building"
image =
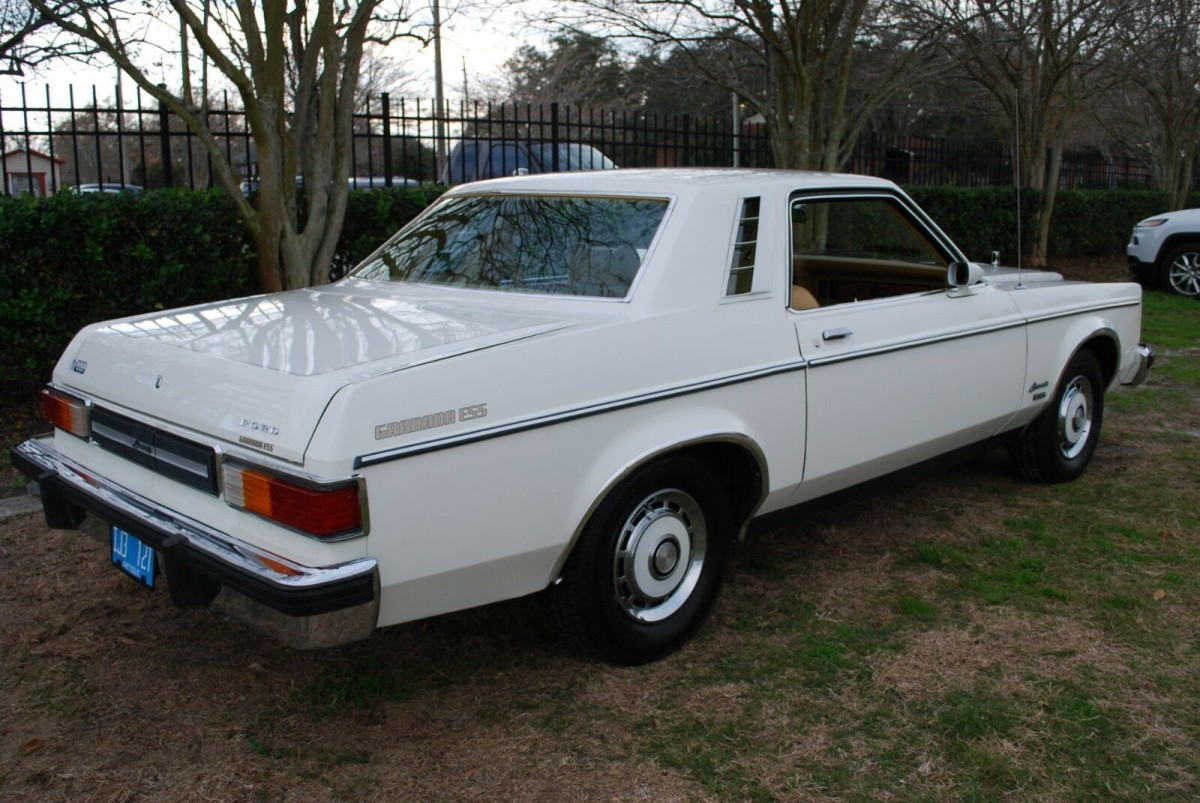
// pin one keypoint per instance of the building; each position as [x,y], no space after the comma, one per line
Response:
[30,172]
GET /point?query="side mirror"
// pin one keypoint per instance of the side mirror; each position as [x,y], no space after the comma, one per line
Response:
[961,275]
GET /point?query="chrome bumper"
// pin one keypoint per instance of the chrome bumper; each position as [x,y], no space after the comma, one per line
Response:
[1145,363]
[341,601]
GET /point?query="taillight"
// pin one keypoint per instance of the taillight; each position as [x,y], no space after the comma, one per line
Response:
[323,510]
[66,412]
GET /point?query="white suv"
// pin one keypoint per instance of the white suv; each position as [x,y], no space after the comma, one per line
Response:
[1165,250]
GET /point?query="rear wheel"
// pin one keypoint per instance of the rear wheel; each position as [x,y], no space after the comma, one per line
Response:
[1057,446]
[648,565]
[1180,271]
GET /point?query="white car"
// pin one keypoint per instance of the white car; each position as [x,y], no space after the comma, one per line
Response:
[587,383]
[1165,250]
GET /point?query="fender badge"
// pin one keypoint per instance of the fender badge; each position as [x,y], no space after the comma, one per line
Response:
[1036,386]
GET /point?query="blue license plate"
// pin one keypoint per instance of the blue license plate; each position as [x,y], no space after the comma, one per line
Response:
[133,557]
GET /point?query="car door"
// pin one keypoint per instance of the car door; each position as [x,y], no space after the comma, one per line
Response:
[900,367]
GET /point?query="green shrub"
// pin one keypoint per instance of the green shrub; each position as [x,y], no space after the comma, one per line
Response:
[374,215]
[74,259]
[71,260]
[1084,223]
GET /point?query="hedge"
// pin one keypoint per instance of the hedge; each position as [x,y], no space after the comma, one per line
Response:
[1085,222]
[69,260]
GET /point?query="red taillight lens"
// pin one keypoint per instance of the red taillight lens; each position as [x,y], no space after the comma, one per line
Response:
[325,512]
[66,412]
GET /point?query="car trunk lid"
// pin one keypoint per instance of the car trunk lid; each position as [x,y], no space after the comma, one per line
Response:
[260,371]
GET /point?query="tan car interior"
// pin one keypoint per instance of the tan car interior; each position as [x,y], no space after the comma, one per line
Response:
[821,278]
[820,281]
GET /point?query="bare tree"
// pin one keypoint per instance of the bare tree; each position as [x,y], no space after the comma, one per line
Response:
[29,38]
[793,61]
[1155,111]
[296,69]
[1040,60]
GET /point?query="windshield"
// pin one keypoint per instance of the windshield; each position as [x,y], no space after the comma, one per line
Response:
[524,243]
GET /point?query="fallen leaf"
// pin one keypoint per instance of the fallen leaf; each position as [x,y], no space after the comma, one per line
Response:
[1159,593]
[31,746]
[470,772]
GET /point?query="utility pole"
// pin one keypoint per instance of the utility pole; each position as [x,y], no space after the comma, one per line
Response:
[439,99]
[125,179]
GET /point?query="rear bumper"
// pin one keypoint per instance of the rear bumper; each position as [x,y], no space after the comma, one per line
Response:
[199,560]
[1145,362]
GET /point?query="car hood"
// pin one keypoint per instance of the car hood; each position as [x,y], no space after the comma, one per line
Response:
[1005,275]
[260,371]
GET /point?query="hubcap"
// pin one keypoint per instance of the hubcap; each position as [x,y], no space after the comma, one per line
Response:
[1075,417]
[660,554]
[666,557]
[1184,274]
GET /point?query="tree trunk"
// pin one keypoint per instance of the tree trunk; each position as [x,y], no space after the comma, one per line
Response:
[1180,195]
[1039,257]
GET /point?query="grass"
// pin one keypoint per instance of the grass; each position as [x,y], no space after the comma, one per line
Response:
[964,636]
[361,681]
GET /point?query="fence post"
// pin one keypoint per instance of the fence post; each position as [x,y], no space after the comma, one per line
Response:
[387,140]
[164,139]
[736,128]
[554,136]
[687,140]
[4,188]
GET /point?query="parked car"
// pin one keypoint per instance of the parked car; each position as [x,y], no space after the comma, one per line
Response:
[472,160]
[1165,250]
[106,187]
[583,384]
[380,182]
[250,185]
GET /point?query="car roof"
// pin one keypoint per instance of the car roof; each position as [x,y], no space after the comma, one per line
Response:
[675,181]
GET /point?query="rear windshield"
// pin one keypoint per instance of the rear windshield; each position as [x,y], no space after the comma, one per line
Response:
[524,243]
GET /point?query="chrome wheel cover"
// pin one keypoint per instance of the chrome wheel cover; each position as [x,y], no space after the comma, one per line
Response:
[1184,274]
[659,555]
[1075,411]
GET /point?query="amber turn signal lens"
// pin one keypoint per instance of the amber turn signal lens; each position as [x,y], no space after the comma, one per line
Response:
[323,512]
[66,412]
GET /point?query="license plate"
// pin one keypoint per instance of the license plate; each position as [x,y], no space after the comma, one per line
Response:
[133,557]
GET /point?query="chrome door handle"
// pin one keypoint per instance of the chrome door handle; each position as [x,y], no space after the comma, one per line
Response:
[836,334]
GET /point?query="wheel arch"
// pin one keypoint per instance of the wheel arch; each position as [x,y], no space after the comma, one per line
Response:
[1174,241]
[1105,345]
[738,462]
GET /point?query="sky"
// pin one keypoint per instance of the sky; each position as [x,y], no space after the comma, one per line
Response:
[485,40]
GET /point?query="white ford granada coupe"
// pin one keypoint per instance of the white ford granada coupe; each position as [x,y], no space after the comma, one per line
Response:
[586,383]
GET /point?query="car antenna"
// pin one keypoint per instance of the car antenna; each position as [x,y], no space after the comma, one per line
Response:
[1017,172]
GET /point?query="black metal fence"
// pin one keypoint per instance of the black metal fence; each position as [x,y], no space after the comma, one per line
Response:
[48,146]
